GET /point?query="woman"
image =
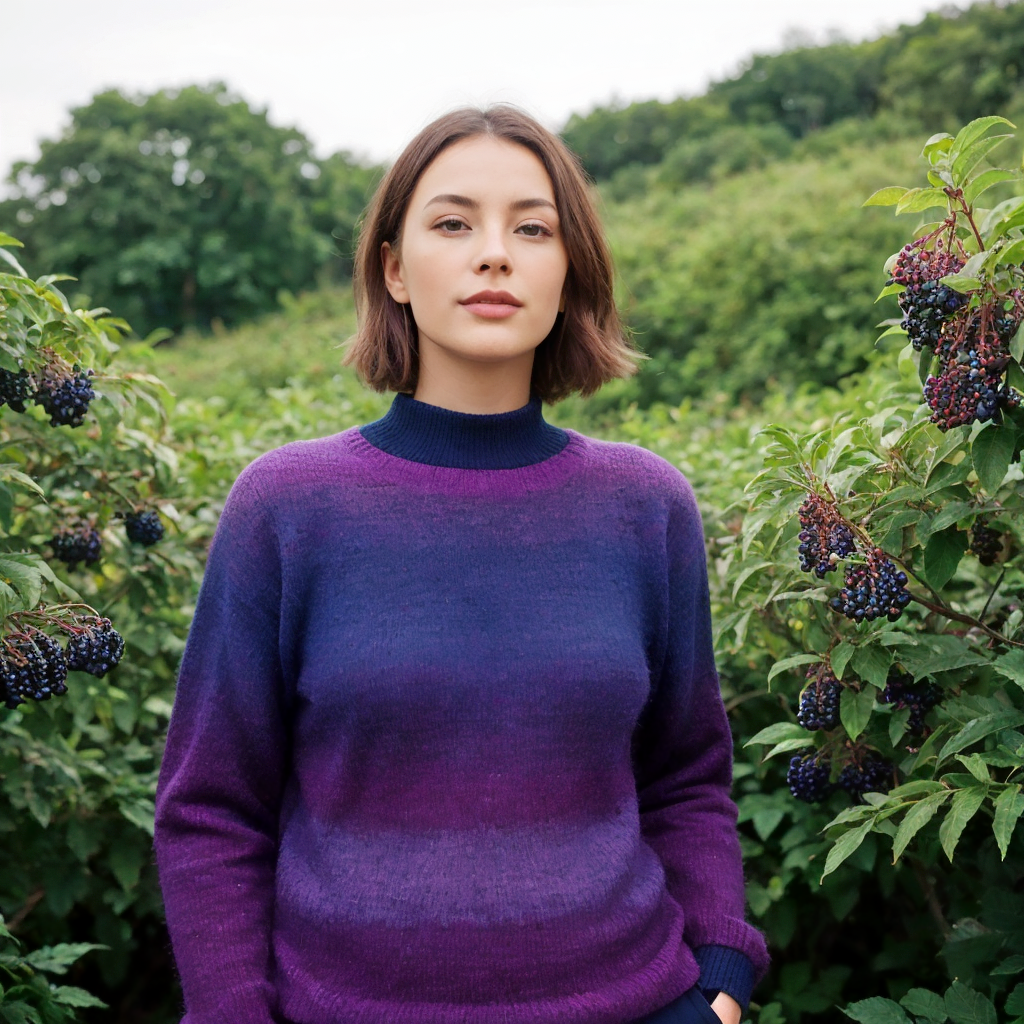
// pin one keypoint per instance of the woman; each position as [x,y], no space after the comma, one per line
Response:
[448,744]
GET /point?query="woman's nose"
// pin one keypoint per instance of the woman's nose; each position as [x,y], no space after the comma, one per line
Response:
[493,253]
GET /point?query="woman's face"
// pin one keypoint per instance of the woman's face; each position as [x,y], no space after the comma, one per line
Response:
[481,258]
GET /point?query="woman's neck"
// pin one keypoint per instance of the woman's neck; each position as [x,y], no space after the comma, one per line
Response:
[475,386]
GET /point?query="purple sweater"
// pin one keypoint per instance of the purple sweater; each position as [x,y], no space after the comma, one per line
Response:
[448,745]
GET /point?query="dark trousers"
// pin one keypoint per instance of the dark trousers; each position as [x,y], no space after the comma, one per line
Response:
[690,1008]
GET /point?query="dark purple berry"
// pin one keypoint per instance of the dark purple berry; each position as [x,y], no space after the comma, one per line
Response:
[819,702]
[825,537]
[986,543]
[32,667]
[77,541]
[66,398]
[872,589]
[143,527]
[15,388]
[866,773]
[96,649]
[808,778]
[902,692]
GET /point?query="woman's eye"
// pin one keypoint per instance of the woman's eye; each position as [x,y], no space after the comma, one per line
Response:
[452,224]
[533,230]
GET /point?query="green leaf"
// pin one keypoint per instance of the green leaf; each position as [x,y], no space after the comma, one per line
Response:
[791,662]
[1015,1000]
[965,805]
[973,130]
[846,845]
[916,818]
[777,732]
[8,258]
[918,199]
[855,709]
[1010,255]
[872,663]
[968,1006]
[952,513]
[1011,666]
[923,1003]
[985,181]
[6,239]
[1008,808]
[991,453]
[889,196]
[876,1010]
[971,156]
[979,728]
[937,146]
[57,959]
[68,995]
[942,555]
[840,656]
[1011,965]
[962,283]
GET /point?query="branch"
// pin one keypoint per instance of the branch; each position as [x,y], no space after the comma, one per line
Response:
[949,613]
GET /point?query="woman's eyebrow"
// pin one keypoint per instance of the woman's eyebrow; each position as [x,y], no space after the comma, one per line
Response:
[471,204]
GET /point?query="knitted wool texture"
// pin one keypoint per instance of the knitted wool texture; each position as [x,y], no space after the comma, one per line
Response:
[448,744]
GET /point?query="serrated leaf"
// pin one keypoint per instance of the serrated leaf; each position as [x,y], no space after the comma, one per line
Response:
[776,733]
[1008,808]
[962,283]
[915,819]
[1011,666]
[979,728]
[840,656]
[888,196]
[846,846]
[787,745]
[1011,255]
[791,662]
[972,155]
[942,555]
[968,1006]
[57,959]
[855,710]
[973,130]
[876,1010]
[1015,1000]
[991,453]
[1011,965]
[872,663]
[965,805]
[950,514]
[918,199]
[983,182]
[69,995]
[923,1003]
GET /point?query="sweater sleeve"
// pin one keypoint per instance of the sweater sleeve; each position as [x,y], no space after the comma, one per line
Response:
[223,773]
[682,755]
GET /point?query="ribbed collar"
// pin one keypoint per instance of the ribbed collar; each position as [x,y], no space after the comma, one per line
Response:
[461,440]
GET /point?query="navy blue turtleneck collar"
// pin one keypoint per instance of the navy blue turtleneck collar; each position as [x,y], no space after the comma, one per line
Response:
[461,440]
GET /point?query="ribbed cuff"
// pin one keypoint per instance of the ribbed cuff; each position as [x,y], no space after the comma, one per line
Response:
[727,970]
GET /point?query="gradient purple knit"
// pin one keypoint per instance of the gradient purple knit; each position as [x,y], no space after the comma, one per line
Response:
[448,746]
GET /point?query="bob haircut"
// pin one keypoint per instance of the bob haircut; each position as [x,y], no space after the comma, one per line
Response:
[587,345]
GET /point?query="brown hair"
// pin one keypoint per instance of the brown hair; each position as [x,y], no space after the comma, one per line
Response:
[586,346]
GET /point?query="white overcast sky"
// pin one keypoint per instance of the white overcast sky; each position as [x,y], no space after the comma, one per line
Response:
[366,76]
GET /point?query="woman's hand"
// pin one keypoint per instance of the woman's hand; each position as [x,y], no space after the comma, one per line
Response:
[727,1009]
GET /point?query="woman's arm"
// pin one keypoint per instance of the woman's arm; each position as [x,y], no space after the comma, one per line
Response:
[223,773]
[682,753]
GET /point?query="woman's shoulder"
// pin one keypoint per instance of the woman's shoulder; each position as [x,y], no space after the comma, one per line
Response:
[633,464]
[294,467]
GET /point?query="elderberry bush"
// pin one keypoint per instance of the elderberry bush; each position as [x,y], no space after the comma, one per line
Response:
[15,389]
[32,667]
[819,701]
[986,543]
[927,304]
[872,589]
[143,527]
[78,541]
[866,773]
[902,692]
[66,397]
[95,649]
[808,778]
[825,537]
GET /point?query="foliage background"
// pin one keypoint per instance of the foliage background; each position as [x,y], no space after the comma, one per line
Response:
[748,272]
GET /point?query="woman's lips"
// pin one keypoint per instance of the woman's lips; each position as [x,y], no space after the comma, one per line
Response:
[492,305]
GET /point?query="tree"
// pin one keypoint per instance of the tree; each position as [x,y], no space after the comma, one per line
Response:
[182,206]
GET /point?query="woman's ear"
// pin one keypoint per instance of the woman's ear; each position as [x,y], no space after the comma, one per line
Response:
[393,274]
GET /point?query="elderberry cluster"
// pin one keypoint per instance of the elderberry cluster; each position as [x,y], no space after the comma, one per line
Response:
[867,773]
[64,392]
[986,543]
[809,778]
[825,537]
[872,589]
[964,392]
[902,692]
[15,389]
[819,701]
[66,397]
[926,303]
[32,667]
[96,649]
[77,541]
[143,527]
